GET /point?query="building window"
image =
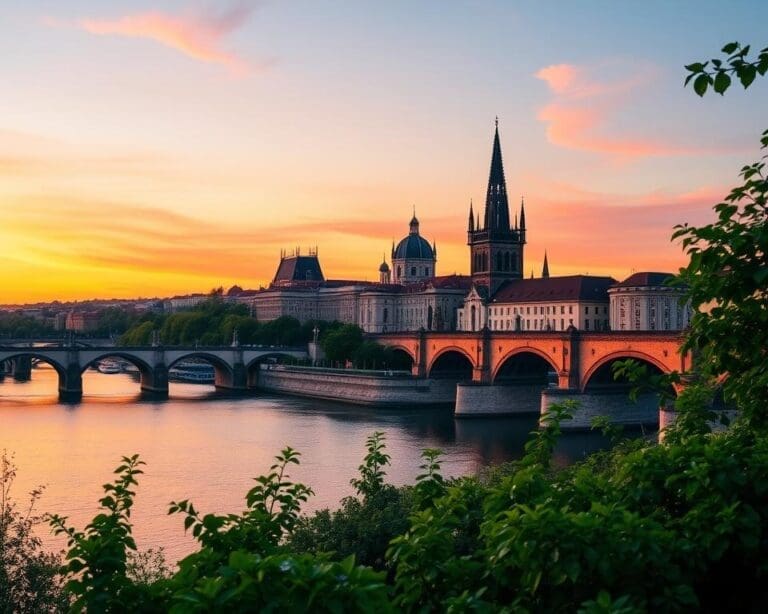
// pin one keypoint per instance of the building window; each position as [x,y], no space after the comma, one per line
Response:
[426,271]
[586,324]
[570,310]
[413,271]
[562,309]
[562,324]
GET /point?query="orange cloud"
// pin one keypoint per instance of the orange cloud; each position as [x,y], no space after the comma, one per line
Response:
[199,36]
[577,117]
[611,233]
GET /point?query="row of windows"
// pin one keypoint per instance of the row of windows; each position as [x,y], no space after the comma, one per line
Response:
[414,271]
[545,324]
[542,309]
[504,261]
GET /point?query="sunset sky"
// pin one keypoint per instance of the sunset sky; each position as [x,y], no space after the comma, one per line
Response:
[159,148]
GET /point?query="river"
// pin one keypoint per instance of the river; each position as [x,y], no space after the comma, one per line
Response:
[206,447]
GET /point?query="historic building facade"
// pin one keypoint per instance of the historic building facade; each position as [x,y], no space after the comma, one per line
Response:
[409,295]
[644,301]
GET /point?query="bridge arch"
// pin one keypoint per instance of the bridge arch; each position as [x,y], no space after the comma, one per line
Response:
[452,362]
[224,373]
[60,369]
[147,374]
[253,366]
[600,371]
[507,362]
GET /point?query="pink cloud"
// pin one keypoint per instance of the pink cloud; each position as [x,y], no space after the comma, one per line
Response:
[199,36]
[578,115]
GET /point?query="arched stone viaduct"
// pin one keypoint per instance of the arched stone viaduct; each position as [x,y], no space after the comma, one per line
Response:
[502,373]
[233,365]
[575,356]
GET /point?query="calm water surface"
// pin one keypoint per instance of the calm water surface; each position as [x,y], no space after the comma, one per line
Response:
[207,448]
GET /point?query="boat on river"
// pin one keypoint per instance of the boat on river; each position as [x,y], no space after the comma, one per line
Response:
[192,373]
[109,366]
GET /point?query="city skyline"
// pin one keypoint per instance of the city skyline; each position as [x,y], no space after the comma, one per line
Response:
[162,148]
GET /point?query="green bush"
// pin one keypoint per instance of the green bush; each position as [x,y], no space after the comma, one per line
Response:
[28,575]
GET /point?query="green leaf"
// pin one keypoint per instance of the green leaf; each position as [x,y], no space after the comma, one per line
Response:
[700,84]
[747,75]
[722,82]
[730,47]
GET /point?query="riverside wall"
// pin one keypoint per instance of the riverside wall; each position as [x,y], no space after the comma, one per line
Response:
[475,400]
[616,406]
[381,389]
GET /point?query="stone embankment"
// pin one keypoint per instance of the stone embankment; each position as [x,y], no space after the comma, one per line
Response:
[375,388]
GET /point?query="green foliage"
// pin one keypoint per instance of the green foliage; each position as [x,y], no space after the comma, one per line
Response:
[28,575]
[541,444]
[365,524]
[372,472]
[97,557]
[727,272]
[214,321]
[430,484]
[362,528]
[19,326]
[341,344]
[272,510]
[716,73]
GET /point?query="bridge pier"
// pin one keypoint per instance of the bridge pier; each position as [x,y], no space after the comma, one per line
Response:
[71,382]
[476,399]
[237,381]
[615,405]
[22,368]
[155,382]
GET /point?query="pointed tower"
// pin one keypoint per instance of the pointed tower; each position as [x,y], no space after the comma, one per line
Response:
[496,249]
[545,268]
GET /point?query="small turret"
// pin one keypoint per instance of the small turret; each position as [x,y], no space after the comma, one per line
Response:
[522,220]
[471,226]
[414,225]
[384,272]
[545,268]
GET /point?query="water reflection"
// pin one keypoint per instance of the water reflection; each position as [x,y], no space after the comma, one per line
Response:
[207,447]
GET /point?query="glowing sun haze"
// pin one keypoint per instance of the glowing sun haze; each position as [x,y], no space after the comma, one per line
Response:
[157,148]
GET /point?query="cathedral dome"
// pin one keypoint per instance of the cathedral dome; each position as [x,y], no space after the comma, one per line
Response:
[384,267]
[414,245]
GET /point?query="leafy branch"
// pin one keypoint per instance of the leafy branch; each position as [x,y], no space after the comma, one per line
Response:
[716,73]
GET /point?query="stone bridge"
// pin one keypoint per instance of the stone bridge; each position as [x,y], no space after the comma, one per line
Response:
[235,367]
[570,364]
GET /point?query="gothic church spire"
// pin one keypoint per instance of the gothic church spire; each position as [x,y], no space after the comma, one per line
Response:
[496,204]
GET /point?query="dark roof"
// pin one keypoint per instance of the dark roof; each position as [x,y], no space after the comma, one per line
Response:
[459,282]
[414,246]
[645,279]
[570,288]
[298,269]
[384,267]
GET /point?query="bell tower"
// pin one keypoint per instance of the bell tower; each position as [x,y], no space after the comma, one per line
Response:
[496,245]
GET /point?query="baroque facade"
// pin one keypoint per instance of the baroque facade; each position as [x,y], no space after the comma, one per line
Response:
[410,296]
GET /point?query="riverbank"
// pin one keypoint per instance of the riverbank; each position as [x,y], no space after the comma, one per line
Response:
[371,388]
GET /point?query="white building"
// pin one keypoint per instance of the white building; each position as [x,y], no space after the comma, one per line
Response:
[643,301]
[542,304]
